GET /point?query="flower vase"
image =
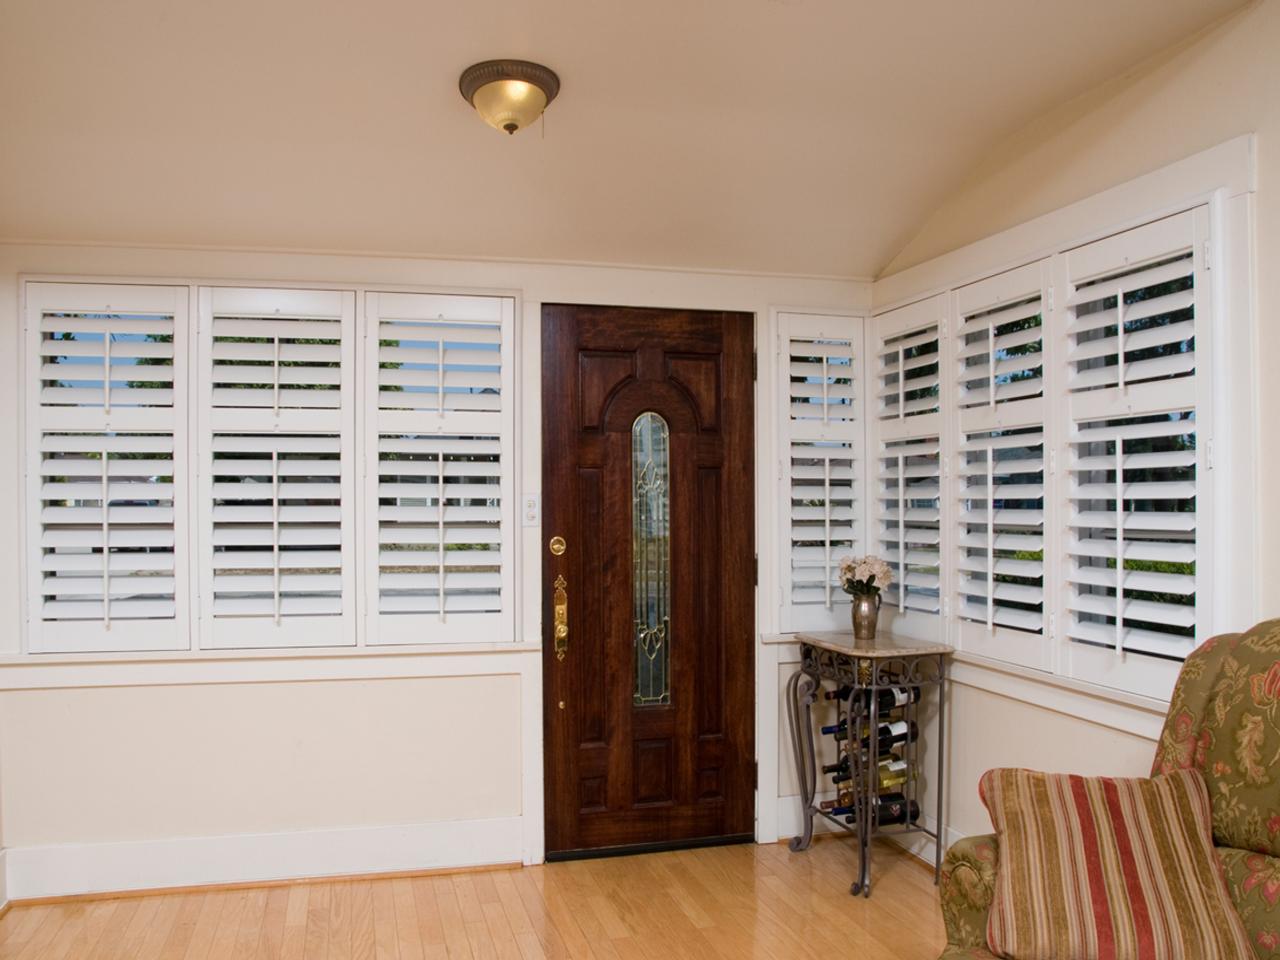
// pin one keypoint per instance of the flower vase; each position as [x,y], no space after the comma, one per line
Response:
[866,611]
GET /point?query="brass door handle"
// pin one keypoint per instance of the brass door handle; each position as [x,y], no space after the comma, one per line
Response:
[560,617]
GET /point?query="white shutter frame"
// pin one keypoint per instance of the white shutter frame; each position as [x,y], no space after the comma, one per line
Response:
[1189,233]
[86,426]
[817,424]
[230,625]
[987,300]
[461,424]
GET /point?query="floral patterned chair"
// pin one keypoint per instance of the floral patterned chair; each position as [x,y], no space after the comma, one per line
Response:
[1224,720]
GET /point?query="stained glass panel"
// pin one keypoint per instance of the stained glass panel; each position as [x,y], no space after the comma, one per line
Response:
[651,558]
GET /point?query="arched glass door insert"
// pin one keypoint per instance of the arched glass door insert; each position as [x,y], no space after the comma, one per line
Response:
[651,557]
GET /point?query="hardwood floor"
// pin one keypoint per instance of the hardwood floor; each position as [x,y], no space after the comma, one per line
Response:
[720,903]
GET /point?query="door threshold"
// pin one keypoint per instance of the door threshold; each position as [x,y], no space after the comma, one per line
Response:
[662,846]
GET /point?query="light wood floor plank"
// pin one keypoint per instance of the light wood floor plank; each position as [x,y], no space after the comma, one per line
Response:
[720,903]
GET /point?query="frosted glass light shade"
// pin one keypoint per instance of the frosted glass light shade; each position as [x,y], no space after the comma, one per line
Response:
[509,105]
[508,94]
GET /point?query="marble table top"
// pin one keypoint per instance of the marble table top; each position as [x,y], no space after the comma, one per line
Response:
[884,645]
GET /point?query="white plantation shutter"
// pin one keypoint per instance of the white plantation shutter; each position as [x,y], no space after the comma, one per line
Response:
[1000,545]
[107,567]
[438,484]
[1136,591]
[822,448]
[910,522]
[277,466]
[277,525]
[908,373]
[998,479]
[908,503]
[1000,340]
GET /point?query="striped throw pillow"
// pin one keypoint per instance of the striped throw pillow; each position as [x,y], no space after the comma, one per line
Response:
[1107,869]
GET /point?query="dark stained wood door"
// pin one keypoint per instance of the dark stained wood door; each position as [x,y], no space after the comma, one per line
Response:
[649,713]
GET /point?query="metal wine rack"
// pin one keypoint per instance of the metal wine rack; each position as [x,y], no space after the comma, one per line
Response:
[867,668]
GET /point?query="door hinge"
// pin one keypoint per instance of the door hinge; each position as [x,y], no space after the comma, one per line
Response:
[755,365]
[1050,300]
[755,774]
[755,570]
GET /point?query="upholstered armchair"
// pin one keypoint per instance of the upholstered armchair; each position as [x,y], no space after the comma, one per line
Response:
[1224,720]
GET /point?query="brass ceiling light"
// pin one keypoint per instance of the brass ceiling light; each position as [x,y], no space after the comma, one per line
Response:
[508,94]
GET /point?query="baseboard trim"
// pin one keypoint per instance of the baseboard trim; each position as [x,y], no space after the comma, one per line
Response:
[137,868]
[257,885]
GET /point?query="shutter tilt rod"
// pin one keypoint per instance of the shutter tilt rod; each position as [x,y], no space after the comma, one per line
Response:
[106,373]
[902,384]
[440,514]
[991,365]
[106,539]
[902,533]
[991,538]
[826,513]
[1120,337]
[275,522]
[1119,546]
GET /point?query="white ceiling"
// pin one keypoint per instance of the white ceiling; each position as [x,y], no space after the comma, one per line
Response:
[785,136]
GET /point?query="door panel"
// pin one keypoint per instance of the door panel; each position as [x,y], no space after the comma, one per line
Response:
[657,516]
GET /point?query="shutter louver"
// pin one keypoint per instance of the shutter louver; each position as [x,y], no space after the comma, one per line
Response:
[109,566]
[910,522]
[276,471]
[439,426]
[1135,594]
[276,352]
[277,526]
[1001,354]
[1001,530]
[822,444]
[1132,539]
[1132,318]
[909,384]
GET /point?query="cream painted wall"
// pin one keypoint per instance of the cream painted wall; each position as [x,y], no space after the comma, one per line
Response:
[138,763]
[989,730]
[120,784]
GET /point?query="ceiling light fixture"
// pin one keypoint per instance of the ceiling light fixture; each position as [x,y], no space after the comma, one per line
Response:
[508,94]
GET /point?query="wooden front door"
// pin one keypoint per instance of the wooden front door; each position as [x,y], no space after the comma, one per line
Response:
[647,477]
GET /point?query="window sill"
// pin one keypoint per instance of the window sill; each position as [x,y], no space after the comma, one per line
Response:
[65,670]
[1115,709]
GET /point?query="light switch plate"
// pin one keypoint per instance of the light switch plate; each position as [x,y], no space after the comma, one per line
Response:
[531,507]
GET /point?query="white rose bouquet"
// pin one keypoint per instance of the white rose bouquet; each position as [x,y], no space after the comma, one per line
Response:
[864,575]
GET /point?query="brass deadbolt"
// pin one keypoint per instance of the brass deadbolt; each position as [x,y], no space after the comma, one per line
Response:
[556,546]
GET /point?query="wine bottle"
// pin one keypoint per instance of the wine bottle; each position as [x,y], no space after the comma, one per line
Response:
[889,698]
[892,698]
[842,766]
[889,735]
[891,772]
[891,810]
[843,800]
[833,728]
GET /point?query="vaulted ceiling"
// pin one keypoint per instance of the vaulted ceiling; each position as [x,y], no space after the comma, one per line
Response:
[784,136]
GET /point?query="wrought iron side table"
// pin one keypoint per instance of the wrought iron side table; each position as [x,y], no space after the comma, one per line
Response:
[866,667]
